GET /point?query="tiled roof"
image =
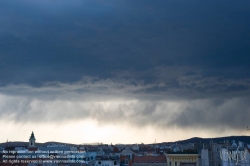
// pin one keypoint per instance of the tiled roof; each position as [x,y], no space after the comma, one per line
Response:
[116,150]
[126,151]
[149,159]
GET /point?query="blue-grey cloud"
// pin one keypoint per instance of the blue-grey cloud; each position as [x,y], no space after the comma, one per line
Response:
[150,51]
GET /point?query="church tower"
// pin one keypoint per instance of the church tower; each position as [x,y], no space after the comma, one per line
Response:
[32,141]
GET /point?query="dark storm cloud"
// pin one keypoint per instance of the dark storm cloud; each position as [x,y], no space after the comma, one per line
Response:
[154,52]
[125,102]
[66,41]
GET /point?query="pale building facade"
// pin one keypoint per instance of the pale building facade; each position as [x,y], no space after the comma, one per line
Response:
[182,159]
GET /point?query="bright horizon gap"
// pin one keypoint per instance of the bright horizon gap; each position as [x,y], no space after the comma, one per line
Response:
[98,134]
[129,143]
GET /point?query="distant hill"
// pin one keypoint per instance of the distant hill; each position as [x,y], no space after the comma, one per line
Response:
[25,144]
[245,139]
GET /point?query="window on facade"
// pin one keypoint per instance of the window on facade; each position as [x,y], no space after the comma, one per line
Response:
[170,163]
[115,162]
[99,162]
[175,163]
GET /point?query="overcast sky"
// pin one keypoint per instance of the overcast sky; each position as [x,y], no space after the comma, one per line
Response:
[124,71]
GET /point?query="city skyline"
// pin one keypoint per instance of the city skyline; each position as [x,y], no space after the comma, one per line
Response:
[123,71]
[223,139]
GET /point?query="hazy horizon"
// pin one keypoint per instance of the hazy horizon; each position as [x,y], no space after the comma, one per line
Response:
[99,143]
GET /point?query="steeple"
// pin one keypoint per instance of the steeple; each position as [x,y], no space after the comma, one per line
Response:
[32,136]
[32,140]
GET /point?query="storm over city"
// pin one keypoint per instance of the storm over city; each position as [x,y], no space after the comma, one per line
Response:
[124,71]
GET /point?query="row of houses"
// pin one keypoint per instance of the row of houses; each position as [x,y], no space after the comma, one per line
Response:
[95,155]
[169,154]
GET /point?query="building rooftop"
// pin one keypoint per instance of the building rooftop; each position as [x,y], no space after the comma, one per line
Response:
[107,158]
[149,159]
